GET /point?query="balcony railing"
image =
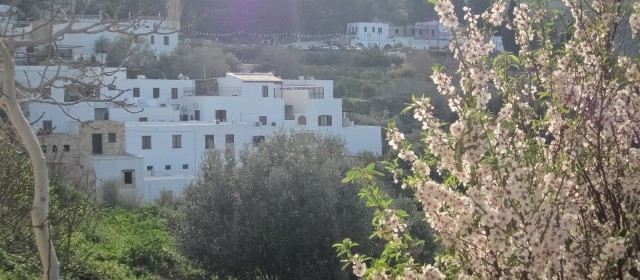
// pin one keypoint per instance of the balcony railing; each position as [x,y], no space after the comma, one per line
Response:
[229,91]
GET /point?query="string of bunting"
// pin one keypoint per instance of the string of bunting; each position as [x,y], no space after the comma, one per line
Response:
[270,35]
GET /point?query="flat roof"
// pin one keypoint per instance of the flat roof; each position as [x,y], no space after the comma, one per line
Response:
[256,77]
[120,156]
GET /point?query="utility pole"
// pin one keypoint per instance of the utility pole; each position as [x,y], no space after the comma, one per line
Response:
[204,60]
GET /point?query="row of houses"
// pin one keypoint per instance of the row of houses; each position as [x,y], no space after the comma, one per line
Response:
[160,33]
[151,135]
[422,35]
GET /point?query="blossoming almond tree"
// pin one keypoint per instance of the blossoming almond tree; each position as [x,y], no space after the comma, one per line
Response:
[546,188]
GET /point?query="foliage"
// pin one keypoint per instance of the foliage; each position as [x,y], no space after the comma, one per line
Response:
[281,62]
[113,243]
[306,16]
[274,211]
[126,51]
[113,193]
[132,244]
[544,188]
[18,257]
[196,60]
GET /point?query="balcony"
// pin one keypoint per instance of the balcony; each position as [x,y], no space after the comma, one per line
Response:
[222,91]
[228,91]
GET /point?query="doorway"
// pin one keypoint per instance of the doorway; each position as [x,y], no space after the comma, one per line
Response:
[96,143]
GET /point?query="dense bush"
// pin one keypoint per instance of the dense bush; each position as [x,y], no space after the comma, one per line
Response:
[277,211]
[132,244]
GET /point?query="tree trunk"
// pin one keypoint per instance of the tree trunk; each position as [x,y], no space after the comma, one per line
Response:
[40,209]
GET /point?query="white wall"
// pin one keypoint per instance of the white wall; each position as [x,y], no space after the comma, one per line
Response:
[371,35]
[38,113]
[146,87]
[318,107]
[357,139]
[362,138]
[153,114]
[112,167]
[152,187]
[84,43]
[299,99]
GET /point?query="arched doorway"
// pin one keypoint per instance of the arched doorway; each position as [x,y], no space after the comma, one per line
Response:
[302,120]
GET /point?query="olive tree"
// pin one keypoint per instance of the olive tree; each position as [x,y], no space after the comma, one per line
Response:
[276,210]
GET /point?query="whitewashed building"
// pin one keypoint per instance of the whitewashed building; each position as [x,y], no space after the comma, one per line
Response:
[158,130]
[421,36]
[377,35]
[159,33]
[369,34]
[83,44]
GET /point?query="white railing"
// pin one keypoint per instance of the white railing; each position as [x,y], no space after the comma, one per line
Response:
[229,91]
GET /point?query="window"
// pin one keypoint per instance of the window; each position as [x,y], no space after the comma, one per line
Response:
[228,138]
[46,93]
[174,93]
[142,119]
[44,148]
[66,148]
[54,149]
[263,120]
[324,120]
[177,141]
[152,39]
[379,29]
[166,40]
[111,137]
[47,125]
[208,141]
[185,166]
[365,29]
[265,91]
[74,93]
[316,93]
[167,167]
[433,33]
[146,142]
[221,115]
[149,167]
[413,32]
[258,139]
[156,92]
[128,177]
[397,31]
[420,32]
[136,92]
[288,112]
